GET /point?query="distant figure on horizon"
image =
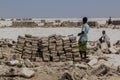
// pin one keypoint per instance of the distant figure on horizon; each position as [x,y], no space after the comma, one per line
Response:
[83,39]
[109,21]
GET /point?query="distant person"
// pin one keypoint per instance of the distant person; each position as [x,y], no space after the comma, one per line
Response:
[83,39]
[109,21]
[104,39]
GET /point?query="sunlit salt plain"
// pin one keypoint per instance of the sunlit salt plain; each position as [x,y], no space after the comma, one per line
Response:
[94,34]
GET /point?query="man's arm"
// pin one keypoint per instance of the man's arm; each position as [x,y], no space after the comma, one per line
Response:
[83,30]
[100,39]
[81,33]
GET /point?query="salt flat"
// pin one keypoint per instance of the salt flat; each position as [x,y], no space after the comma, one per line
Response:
[94,34]
[54,70]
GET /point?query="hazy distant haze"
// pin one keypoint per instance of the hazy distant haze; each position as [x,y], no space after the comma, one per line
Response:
[59,8]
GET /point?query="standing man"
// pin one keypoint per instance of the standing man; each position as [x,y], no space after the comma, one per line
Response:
[83,39]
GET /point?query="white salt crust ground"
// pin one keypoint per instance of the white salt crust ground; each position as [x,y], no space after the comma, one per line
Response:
[94,34]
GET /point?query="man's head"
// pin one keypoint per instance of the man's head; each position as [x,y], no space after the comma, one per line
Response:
[85,20]
[103,32]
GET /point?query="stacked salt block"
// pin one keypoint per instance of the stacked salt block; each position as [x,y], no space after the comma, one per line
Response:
[31,47]
[59,48]
[28,47]
[75,49]
[67,48]
[5,43]
[53,49]
[43,47]
[20,44]
[35,53]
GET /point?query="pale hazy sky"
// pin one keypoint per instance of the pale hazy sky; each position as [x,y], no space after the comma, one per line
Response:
[59,8]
